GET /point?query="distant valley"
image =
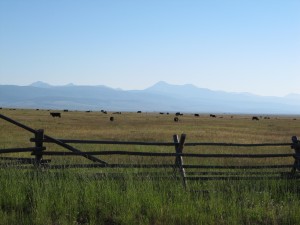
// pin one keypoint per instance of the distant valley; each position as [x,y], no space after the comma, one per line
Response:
[159,97]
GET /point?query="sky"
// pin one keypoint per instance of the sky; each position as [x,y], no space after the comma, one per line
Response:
[231,45]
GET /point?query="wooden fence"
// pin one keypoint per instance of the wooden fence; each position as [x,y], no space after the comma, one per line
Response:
[207,172]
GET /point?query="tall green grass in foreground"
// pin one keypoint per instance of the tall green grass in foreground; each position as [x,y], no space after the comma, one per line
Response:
[67,197]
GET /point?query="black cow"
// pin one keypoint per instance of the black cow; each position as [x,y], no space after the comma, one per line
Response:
[212,115]
[111,118]
[55,114]
[255,118]
[196,114]
[176,119]
[139,111]
[65,110]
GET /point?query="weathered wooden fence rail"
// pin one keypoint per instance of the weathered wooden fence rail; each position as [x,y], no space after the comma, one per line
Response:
[212,172]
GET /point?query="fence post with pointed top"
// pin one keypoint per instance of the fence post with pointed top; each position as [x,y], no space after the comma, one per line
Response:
[179,144]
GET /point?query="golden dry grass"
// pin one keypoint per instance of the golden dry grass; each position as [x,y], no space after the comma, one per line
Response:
[153,127]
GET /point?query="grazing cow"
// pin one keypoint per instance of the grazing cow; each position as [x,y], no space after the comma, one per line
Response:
[139,111]
[65,110]
[255,118]
[37,109]
[161,113]
[88,111]
[0,107]
[55,114]
[111,118]
[178,114]
[196,114]
[176,119]
[212,115]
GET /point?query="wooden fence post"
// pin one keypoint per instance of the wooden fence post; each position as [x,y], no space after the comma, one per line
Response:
[296,147]
[39,137]
[179,160]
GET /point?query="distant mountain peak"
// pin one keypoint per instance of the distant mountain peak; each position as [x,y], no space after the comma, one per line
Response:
[40,84]
[161,84]
[164,87]
[70,85]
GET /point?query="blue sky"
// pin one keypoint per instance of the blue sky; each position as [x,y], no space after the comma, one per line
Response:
[232,45]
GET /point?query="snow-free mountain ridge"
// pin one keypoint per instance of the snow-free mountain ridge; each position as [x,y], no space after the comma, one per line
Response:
[159,97]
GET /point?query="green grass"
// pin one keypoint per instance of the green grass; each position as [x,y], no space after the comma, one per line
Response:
[43,197]
[78,196]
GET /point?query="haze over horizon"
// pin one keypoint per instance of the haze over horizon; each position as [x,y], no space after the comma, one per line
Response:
[233,46]
[162,82]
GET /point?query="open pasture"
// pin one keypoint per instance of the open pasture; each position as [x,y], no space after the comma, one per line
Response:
[71,197]
[153,126]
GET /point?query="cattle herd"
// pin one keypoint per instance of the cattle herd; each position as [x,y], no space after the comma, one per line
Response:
[176,118]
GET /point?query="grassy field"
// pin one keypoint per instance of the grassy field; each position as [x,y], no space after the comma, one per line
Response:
[78,197]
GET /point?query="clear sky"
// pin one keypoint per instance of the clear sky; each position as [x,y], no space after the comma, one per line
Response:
[232,45]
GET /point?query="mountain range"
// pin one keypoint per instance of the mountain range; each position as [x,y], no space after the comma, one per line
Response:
[161,96]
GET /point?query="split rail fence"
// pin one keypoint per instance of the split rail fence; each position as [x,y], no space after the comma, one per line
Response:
[205,172]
